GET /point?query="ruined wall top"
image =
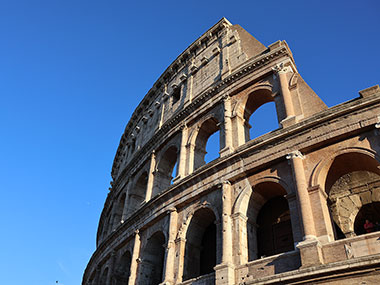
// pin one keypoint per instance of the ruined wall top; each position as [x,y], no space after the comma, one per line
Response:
[215,60]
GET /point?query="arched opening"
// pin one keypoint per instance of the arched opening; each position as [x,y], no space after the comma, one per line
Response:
[368,219]
[163,177]
[274,233]
[269,227]
[122,269]
[200,251]
[119,211]
[212,147]
[137,193]
[208,128]
[103,277]
[266,118]
[263,120]
[152,260]
[352,182]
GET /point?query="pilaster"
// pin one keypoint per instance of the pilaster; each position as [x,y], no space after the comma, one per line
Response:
[150,184]
[296,158]
[169,268]
[135,259]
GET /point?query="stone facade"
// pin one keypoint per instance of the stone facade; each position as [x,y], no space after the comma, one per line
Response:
[287,207]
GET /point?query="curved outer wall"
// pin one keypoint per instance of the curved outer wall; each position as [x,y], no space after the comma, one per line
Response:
[279,208]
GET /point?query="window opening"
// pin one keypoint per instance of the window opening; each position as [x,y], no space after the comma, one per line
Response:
[212,147]
[263,120]
[174,172]
[138,192]
[208,128]
[176,95]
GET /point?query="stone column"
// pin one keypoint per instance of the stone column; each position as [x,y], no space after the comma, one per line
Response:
[282,72]
[240,225]
[302,194]
[111,268]
[190,148]
[135,259]
[239,129]
[225,271]
[310,248]
[151,173]
[180,258]
[182,153]
[228,135]
[226,223]
[170,250]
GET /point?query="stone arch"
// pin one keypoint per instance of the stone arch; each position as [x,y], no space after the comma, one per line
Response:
[241,202]
[255,97]
[266,194]
[190,213]
[351,179]
[199,138]
[118,214]
[137,193]
[201,242]
[163,172]
[319,174]
[122,268]
[152,260]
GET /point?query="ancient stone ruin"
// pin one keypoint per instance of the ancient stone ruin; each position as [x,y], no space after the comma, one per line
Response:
[287,207]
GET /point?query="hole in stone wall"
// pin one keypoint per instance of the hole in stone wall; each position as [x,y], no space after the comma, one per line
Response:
[200,250]
[212,147]
[209,128]
[174,172]
[263,120]
[176,95]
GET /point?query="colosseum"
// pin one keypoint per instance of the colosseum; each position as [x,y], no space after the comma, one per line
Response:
[297,205]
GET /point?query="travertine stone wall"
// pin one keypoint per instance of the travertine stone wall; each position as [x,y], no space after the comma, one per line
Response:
[172,218]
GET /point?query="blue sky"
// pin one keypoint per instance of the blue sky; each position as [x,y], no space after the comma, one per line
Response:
[71,74]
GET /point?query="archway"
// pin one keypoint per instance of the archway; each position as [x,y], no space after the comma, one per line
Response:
[263,99]
[152,260]
[137,194]
[163,176]
[122,269]
[269,227]
[263,120]
[119,211]
[352,181]
[200,251]
[207,129]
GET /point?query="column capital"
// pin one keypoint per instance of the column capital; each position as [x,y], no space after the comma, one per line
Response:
[295,154]
[172,209]
[284,67]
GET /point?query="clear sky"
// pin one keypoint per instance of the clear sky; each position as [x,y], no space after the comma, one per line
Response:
[73,71]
